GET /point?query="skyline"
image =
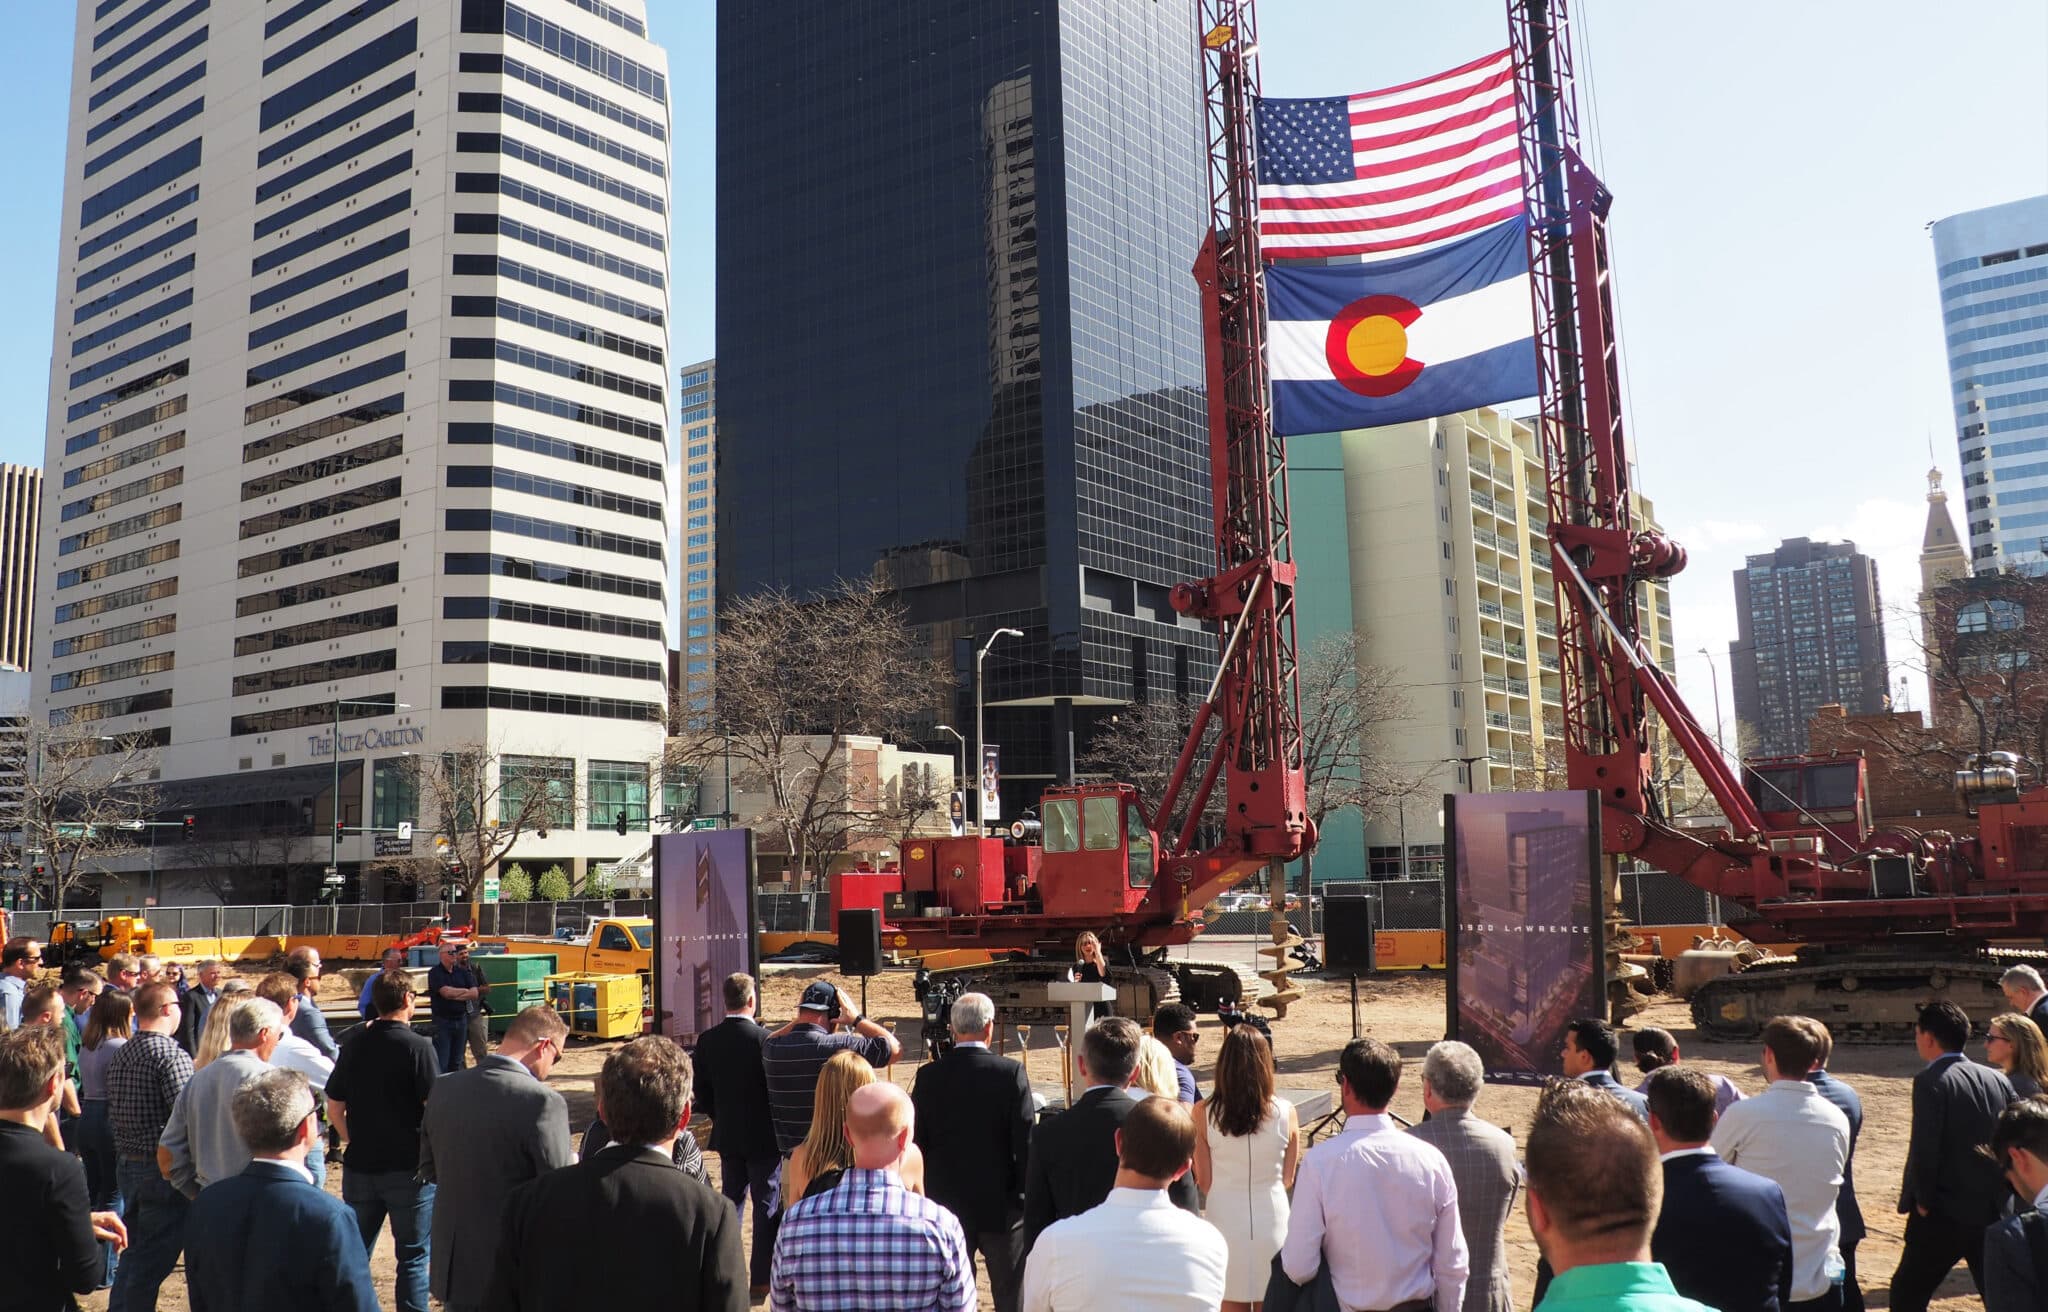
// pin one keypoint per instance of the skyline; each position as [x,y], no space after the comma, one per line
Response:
[1775,279]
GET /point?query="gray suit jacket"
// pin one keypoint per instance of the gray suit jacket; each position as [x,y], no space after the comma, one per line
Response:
[486,1130]
[1483,1166]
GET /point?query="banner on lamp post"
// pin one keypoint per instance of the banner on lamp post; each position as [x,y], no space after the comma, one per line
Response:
[991,783]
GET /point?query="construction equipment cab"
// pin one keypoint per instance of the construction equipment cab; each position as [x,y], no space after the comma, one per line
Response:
[609,945]
[1100,857]
[94,941]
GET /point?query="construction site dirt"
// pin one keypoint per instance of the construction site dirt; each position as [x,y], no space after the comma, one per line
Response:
[1406,1011]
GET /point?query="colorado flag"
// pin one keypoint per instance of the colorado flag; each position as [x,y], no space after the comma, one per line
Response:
[1361,345]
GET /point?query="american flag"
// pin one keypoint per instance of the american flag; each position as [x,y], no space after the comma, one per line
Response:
[1390,171]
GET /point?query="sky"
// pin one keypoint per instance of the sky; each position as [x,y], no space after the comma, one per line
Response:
[1775,168]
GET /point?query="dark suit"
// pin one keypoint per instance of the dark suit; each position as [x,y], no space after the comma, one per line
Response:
[485,1130]
[2038,1013]
[268,1239]
[47,1249]
[1956,1103]
[649,1236]
[974,1115]
[2016,1263]
[1847,1210]
[1073,1162]
[1712,1213]
[732,1089]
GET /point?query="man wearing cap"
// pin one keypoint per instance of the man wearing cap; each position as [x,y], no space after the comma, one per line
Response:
[826,1022]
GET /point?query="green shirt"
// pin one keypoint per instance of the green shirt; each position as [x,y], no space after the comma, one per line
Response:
[72,1039]
[1643,1286]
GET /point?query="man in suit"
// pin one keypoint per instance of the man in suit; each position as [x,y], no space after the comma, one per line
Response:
[974,1115]
[2016,1249]
[267,1237]
[732,1089]
[1713,1211]
[198,1003]
[1483,1166]
[666,1239]
[49,1247]
[1847,1210]
[2025,994]
[1073,1154]
[1589,1052]
[485,1130]
[1952,1193]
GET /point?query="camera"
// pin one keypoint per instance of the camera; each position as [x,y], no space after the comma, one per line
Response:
[1231,1014]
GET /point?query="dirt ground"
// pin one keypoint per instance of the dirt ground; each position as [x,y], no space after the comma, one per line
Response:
[1406,1011]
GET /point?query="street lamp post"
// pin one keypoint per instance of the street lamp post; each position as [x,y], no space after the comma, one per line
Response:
[959,778]
[1714,677]
[334,755]
[980,742]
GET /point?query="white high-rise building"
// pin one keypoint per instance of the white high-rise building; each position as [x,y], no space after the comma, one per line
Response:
[358,408]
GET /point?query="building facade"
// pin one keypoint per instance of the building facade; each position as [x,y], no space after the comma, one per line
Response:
[959,344]
[1809,633]
[359,409]
[1429,539]
[698,401]
[1992,265]
[21,515]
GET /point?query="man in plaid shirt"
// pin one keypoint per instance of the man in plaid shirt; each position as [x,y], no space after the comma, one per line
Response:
[869,1244]
[143,1081]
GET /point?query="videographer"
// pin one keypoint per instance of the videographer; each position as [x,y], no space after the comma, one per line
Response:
[826,1022]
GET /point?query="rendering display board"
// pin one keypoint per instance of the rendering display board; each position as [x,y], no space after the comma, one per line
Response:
[1523,933]
[704,917]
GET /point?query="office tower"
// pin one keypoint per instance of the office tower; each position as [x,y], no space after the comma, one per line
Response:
[1810,633]
[698,401]
[959,343]
[1992,264]
[1429,541]
[21,515]
[358,410]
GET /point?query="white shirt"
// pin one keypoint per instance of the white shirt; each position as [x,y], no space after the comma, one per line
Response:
[1389,1208]
[1686,1152]
[2041,1200]
[1136,1251]
[1791,1134]
[295,1054]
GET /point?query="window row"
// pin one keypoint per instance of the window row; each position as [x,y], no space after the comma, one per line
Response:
[541,571]
[134,387]
[120,635]
[485,184]
[120,360]
[484,307]
[352,222]
[308,393]
[136,222]
[340,266]
[279,22]
[148,100]
[485,389]
[141,43]
[352,147]
[115,496]
[325,671]
[142,558]
[120,528]
[474,698]
[120,599]
[327,466]
[494,143]
[125,24]
[142,72]
[487,348]
[128,323]
[585,54]
[299,553]
[560,449]
[528,526]
[319,36]
[157,173]
[126,424]
[113,707]
[577,494]
[541,80]
[554,617]
[329,629]
[141,286]
[354,109]
[317,713]
[340,75]
[322,589]
[490,102]
[134,455]
[350,186]
[112,671]
[543,658]
[347,421]
[486,266]
[334,307]
[568,249]
[170,122]
[313,353]
[333,506]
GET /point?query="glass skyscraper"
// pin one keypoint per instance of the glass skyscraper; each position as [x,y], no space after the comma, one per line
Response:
[959,343]
[1993,267]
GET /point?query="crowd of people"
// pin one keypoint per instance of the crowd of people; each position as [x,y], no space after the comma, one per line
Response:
[146,1120]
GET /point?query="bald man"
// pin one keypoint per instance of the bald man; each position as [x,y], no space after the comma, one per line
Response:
[825,1250]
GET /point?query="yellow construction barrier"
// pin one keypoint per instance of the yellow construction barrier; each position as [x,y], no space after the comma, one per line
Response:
[244,952]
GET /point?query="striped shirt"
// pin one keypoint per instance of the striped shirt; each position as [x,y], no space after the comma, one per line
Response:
[870,1245]
[143,1082]
[792,1061]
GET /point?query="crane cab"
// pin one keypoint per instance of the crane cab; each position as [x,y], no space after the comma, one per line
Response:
[1814,804]
[1099,855]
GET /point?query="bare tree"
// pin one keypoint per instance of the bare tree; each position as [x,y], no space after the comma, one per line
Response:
[797,678]
[907,806]
[480,802]
[1346,702]
[229,865]
[84,800]
[1140,745]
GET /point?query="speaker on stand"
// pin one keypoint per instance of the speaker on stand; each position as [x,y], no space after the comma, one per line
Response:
[860,946]
[1348,947]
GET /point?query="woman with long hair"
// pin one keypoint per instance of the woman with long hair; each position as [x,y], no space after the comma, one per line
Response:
[824,1156]
[213,1040]
[1090,967]
[1156,1074]
[1247,1146]
[2016,1046]
[108,1026]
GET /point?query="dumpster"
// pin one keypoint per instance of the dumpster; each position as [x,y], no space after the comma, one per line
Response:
[517,981]
[597,1006]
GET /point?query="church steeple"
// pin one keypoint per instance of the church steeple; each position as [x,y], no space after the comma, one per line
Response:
[1942,558]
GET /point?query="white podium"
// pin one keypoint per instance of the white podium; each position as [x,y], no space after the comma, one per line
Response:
[1078,997]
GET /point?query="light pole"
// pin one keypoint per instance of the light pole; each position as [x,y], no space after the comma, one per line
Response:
[334,754]
[1714,678]
[980,742]
[959,779]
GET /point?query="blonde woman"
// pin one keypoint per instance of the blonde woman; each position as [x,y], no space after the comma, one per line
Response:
[1091,968]
[213,1040]
[2016,1046]
[1156,1073]
[817,1163]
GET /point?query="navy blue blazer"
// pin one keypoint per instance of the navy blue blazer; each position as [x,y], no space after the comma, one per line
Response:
[1847,1209]
[268,1239]
[1724,1236]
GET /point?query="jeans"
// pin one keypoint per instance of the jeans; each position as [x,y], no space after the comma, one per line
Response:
[739,1175]
[374,1195]
[316,1162]
[155,1217]
[96,1149]
[450,1038]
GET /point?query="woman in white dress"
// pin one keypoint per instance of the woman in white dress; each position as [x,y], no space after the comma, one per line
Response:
[1247,1146]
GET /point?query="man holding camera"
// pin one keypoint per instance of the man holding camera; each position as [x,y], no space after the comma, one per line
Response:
[826,1022]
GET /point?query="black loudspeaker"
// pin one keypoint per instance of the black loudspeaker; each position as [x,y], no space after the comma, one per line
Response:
[860,941]
[1347,936]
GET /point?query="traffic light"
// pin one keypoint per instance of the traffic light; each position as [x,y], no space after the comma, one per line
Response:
[191,823]
[340,828]
[620,824]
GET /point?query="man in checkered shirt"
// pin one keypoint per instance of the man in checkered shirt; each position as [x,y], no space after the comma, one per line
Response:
[869,1244]
[143,1081]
